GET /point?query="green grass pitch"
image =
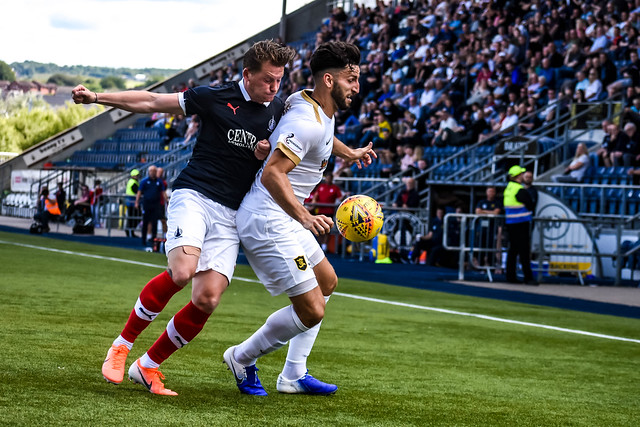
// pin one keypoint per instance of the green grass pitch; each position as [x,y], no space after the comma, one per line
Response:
[395,365]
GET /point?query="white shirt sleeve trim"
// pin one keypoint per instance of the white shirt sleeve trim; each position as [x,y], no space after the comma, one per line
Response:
[181,102]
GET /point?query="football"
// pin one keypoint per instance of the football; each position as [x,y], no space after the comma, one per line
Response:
[359,218]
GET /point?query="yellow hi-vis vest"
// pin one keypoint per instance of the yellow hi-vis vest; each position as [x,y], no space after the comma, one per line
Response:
[130,185]
[515,211]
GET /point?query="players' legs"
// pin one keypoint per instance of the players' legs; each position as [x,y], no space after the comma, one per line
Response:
[158,291]
[213,268]
[306,310]
[152,300]
[188,224]
[300,346]
[277,249]
[303,315]
[208,287]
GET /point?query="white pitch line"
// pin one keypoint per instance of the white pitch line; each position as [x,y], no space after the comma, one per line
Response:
[482,316]
[62,251]
[380,301]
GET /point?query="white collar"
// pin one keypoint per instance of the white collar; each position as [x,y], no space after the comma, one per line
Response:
[246,94]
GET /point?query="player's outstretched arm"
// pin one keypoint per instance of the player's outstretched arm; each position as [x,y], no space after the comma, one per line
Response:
[276,181]
[136,101]
[363,156]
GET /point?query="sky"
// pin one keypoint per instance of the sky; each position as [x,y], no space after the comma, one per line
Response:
[173,34]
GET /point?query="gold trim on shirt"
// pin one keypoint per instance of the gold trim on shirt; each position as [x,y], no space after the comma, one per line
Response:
[313,102]
[287,152]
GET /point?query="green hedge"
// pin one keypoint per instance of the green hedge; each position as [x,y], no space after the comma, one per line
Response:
[28,120]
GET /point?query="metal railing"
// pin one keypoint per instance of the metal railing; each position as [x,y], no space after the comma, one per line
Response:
[555,248]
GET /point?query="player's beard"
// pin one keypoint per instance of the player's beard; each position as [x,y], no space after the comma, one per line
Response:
[339,98]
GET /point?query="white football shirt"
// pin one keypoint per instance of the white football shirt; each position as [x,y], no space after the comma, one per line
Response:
[305,135]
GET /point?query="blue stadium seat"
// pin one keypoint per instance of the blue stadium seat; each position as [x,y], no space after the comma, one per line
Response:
[620,176]
[556,191]
[592,196]
[590,174]
[634,203]
[613,197]
[141,122]
[572,197]
[601,175]
[545,144]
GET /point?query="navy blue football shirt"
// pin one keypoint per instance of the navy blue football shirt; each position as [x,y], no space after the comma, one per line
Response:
[223,165]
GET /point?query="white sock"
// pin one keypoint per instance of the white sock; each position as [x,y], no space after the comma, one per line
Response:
[279,328]
[119,341]
[299,349]
[146,362]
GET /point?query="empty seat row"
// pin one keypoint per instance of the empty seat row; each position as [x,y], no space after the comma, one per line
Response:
[592,200]
[136,134]
[23,200]
[616,175]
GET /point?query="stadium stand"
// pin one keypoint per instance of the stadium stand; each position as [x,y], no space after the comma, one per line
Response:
[514,78]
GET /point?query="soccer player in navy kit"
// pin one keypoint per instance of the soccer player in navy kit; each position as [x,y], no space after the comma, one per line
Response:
[202,244]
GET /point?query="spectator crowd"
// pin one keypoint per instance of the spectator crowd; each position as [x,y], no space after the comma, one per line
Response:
[452,73]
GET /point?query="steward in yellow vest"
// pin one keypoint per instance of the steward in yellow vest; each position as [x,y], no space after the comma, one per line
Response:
[130,201]
[518,208]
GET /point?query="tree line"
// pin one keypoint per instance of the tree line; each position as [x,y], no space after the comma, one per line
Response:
[27,120]
[27,69]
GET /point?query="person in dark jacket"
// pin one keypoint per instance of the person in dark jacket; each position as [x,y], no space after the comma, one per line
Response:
[432,242]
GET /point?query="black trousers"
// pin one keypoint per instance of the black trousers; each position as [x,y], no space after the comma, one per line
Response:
[132,221]
[44,217]
[150,215]
[519,246]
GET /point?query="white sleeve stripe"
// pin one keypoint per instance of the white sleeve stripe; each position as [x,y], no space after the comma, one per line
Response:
[181,102]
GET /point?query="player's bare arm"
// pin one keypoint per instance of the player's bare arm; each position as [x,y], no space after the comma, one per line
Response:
[274,178]
[136,101]
[361,156]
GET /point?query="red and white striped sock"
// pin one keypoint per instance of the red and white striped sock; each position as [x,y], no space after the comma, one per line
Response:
[153,298]
[182,328]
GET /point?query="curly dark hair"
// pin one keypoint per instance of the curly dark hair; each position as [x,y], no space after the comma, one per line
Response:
[266,51]
[334,55]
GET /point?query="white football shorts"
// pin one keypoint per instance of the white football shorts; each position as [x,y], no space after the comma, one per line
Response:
[196,220]
[280,250]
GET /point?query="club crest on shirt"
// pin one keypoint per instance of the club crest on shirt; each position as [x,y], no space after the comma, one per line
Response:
[301,263]
[324,164]
[272,124]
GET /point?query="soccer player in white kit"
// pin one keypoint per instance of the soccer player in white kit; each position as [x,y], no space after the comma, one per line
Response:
[277,231]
